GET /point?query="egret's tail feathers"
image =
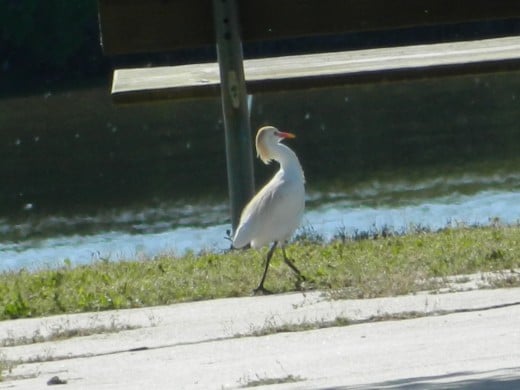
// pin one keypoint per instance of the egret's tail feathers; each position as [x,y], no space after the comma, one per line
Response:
[239,240]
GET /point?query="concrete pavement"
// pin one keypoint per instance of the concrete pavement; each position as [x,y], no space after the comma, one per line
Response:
[467,340]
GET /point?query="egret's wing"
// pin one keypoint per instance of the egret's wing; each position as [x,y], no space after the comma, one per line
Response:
[255,214]
[272,214]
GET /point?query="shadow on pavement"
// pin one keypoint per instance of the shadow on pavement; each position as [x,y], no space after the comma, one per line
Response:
[500,380]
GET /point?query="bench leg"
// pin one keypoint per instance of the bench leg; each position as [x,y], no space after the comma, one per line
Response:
[234,107]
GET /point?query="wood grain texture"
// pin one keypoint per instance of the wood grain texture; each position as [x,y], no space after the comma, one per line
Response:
[321,70]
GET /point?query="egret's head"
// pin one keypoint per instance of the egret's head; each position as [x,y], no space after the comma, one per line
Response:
[266,138]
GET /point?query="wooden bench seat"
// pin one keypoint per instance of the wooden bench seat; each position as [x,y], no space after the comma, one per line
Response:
[319,70]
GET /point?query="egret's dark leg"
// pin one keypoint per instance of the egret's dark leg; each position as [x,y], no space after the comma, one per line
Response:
[261,289]
[292,266]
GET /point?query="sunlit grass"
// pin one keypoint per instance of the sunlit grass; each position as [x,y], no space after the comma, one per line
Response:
[371,265]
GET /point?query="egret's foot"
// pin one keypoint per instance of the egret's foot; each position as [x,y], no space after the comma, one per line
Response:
[305,283]
[300,283]
[261,290]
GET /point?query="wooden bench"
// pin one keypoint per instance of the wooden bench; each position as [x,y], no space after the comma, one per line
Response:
[134,26]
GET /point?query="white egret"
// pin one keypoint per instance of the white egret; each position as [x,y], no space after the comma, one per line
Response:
[276,210]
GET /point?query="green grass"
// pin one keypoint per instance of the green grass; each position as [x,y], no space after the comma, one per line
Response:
[372,265]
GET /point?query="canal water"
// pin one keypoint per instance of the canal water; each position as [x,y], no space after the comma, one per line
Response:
[84,180]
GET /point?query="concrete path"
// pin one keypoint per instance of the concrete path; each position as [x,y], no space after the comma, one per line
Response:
[466,340]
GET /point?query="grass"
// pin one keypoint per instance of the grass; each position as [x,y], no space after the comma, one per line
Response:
[260,381]
[273,327]
[63,334]
[6,366]
[370,265]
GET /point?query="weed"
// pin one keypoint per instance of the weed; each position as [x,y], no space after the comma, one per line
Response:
[309,235]
[259,381]
[6,366]
[62,333]
[272,327]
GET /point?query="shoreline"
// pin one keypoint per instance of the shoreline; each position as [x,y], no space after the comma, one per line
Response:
[369,266]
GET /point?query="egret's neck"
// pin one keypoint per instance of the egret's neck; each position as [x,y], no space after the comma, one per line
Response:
[288,160]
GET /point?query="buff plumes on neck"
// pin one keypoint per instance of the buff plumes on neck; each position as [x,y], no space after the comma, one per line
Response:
[265,138]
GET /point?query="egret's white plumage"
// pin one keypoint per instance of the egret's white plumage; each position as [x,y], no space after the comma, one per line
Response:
[276,210]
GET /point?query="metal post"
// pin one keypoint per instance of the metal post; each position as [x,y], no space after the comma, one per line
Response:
[234,107]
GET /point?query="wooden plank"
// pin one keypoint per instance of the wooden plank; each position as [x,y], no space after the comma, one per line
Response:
[320,70]
[132,26]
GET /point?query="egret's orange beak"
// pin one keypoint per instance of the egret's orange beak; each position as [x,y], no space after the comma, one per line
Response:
[286,135]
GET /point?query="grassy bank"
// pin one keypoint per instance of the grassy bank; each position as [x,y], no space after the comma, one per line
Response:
[369,266]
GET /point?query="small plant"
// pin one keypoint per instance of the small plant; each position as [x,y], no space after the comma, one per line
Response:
[267,381]
[63,332]
[272,327]
[259,381]
[6,366]
[17,307]
[308,234]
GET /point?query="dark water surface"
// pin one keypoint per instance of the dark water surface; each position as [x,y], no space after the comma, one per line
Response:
[83,179]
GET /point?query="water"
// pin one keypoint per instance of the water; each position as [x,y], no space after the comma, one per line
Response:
[84,180]
[178,228]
